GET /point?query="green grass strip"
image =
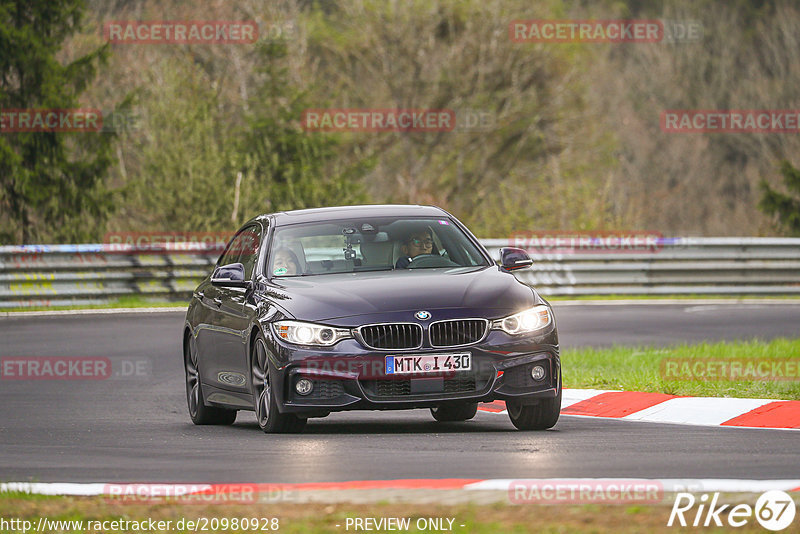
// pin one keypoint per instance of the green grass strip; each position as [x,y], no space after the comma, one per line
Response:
[763,370]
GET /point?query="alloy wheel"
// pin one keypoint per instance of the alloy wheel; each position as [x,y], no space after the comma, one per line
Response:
[192,378]
[261,384]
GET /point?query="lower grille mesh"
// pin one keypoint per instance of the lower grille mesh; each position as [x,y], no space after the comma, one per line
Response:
[390,388]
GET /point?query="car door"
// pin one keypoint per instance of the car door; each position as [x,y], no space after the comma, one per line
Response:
[235,314]
[206,319]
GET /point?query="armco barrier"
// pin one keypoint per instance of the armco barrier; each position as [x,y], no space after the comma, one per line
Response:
[51,275]
[726,265]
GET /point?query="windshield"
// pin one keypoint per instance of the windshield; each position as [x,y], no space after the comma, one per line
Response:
[370,245]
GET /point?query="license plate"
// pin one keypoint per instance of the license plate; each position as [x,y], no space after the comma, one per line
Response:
[428,363]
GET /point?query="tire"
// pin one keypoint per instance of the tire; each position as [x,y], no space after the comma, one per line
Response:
[270,420]
[455,412]
[537,416]
[198,411]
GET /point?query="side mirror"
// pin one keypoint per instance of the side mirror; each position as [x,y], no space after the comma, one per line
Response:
[231,275]
[512,259]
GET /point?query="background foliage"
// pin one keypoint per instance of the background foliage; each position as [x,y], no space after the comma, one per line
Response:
[574,141]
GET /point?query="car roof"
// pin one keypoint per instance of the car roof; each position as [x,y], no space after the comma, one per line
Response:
[284,218]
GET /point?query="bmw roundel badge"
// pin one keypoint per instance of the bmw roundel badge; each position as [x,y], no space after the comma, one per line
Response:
[423,315]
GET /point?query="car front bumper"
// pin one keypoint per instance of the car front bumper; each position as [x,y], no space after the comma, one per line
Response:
[350,377]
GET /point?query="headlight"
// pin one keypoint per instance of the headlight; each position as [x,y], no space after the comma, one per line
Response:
[525,322]
[309,333]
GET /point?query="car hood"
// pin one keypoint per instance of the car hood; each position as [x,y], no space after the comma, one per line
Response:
[389,295]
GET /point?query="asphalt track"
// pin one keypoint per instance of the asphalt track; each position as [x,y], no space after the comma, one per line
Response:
[135,428]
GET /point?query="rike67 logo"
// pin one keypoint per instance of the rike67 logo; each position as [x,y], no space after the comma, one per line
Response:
[774,510]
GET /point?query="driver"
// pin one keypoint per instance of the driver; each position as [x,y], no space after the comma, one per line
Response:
[418,243]
[285,263]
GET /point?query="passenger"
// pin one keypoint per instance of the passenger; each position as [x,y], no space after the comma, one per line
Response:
[285,263]
[417,244]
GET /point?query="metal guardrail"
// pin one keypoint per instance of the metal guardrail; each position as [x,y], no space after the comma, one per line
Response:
[677,266]
[52,275]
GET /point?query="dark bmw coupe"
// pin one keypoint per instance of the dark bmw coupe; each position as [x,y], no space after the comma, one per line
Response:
[367,308]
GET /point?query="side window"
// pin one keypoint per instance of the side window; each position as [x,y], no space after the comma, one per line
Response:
[243,249]
[230,254]
[250,245]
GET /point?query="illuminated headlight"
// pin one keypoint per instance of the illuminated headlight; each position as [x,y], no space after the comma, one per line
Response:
[309,333]
[525,322]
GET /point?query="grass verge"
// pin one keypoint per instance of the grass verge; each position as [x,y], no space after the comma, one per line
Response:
[314,518]
[694,370]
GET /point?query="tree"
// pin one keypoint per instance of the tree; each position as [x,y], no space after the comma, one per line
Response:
[784,207]
[286,167]
[52,184]
[181,176]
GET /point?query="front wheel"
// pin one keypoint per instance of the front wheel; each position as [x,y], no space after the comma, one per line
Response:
[270,420]
[536,416]
[198,411]
[455,412]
